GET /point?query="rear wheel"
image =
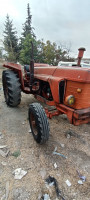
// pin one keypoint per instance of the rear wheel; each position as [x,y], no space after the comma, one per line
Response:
[39,123]
[11,88]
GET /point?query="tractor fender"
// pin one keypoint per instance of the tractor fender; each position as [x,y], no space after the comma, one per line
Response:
[16,68]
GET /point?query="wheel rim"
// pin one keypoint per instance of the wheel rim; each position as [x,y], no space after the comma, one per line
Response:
[33,124]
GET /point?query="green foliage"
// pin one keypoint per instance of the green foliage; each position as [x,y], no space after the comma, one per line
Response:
[26,51]
[25,41]
[51,53]
[10,41]
[16,153]
[40,51]
[46,52]
[27,27]
[43,52]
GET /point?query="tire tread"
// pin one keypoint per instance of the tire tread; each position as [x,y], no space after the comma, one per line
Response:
[43,124]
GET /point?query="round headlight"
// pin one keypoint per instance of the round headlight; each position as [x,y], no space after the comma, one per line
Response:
[70,100]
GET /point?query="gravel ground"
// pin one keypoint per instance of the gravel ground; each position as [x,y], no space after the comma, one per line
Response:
[38,160]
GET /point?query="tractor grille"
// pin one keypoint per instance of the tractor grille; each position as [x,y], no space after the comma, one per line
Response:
[82,99]
[61,91]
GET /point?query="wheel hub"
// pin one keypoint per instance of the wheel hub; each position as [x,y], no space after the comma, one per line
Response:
[33,123]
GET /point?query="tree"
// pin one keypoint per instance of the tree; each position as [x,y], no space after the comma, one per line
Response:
[27,27]
[25,41]
[26,51]
[10,41]
[40,53]
[46,52]
[51,53]
[43,52]
[63,53]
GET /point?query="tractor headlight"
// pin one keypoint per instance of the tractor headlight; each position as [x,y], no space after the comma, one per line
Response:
[70,100]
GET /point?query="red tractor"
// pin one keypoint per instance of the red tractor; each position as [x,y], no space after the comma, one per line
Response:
[65,88]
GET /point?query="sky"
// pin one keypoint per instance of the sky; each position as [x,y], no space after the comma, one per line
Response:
[66,22]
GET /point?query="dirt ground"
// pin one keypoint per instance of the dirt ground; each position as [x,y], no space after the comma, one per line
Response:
[38,160]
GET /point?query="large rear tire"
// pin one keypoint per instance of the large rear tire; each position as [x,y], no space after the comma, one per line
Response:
[11,88]
[39,123]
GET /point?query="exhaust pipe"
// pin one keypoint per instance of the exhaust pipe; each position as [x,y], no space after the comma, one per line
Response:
[80,55]
[31,69]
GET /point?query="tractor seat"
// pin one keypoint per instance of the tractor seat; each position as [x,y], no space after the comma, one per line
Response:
[26,68]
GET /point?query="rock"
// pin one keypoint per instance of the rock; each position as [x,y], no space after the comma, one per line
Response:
[23,123]
[62,145]
[68,136]
[3,163]
[29,131]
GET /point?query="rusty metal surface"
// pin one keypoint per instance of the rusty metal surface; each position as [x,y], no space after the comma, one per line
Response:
[81,116]
[12,66]
[43,100]
[82,99]
[80,55]
[76,82]
[75,117]
[52,113]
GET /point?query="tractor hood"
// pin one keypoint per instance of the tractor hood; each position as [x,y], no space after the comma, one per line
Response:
[69,73]
[73,73]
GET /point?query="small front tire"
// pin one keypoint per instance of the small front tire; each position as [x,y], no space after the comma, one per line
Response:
[39,123]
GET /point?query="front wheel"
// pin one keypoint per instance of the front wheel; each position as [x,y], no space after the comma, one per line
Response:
[39,123]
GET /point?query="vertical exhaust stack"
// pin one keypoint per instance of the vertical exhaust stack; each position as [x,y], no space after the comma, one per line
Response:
[31,69]
[80,55]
